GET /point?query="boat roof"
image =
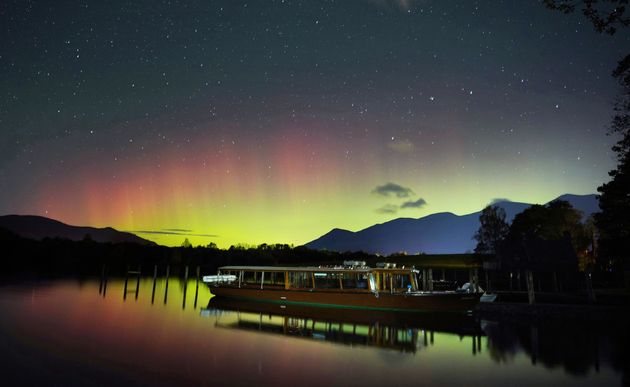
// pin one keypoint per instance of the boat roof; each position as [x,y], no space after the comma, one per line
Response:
[313,269]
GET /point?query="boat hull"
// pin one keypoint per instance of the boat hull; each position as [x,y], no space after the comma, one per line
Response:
[409,302]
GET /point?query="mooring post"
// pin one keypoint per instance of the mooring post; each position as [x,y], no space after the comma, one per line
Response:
[472,279]
[126,280]
[105,281]
[555,282]
[529,279]
[100,287]
[138,281]
[168,270]
[196,287]
[154,281]
[185,286]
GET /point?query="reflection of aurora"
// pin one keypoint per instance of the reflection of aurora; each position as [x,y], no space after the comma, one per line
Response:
[580,349]
[65,332]
[406,332]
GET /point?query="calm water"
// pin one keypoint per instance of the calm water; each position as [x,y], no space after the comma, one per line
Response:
[73,333]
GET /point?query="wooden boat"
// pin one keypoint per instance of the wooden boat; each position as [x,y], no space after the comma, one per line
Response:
[348,286]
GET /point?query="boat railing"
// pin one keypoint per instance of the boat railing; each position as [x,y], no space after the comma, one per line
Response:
[220,278]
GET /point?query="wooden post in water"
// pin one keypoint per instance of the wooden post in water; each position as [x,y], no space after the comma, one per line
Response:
[185,286]
[555,282]
[168,270]
[126,280]
[196,287]
[472,279]
[154,281]
[104,281]
[430,279]
[100,287]
[529,279]
[138,281]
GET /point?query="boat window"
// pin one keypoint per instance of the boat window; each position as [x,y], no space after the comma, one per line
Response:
[354,280]
[251,278]
[300,280]
[327,280]
[274,278]
[394,282]
[401,282]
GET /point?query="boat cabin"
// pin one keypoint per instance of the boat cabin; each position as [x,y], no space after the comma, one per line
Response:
[351,279]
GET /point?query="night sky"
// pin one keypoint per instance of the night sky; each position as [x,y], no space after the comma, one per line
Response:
[275,121]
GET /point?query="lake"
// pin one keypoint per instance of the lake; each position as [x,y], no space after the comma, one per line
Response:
[68,332]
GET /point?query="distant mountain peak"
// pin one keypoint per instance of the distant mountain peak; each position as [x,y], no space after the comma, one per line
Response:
[438,233]
[40,227]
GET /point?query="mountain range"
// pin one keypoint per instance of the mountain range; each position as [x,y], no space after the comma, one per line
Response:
[440,233]
[39,227]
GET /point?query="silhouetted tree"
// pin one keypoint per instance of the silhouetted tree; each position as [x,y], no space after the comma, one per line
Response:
[492,231]
[613,221]
[551,222]
[186,243]
[606,16]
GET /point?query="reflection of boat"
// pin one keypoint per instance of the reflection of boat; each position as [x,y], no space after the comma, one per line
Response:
[342,286]
[394,330]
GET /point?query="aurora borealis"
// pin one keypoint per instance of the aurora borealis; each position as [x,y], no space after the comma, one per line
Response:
[275,121]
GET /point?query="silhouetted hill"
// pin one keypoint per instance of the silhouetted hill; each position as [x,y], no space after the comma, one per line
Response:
[39,227]
[441,233]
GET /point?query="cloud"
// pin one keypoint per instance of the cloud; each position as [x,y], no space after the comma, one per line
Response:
[414,203]
[173,231]
[387,209]
[392,189]
[401,146]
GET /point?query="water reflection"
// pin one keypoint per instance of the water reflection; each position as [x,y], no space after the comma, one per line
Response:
[579,348]
[406,332]
[91,332]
